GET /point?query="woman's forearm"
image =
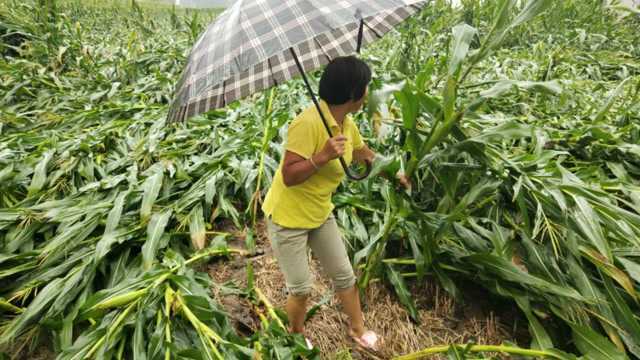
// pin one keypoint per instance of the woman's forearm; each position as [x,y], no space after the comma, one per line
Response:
[297,172]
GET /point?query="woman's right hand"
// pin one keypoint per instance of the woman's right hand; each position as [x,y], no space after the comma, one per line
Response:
[334,148]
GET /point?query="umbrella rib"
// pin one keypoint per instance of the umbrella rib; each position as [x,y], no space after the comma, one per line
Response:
[224,93]
[183,114]
[273,76]
[315,39]
[373,30]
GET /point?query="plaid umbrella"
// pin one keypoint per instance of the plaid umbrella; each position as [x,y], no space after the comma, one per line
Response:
[256,44]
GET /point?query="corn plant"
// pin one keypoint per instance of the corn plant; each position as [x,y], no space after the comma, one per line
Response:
[516,204]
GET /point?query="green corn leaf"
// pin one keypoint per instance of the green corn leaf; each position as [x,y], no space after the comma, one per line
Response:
[66,334]
[76,280]
[138,342]
[606,107]
[625,317]
[532,9]
[510,272]
[71,235]
[414,235]
[504,86]
[541,339]
[5,173]
[7,306]
[155,344]
[197,229]
[628,9]
[612,271]
[250,275]
[446,282]
[632,267]
[40,174]
[501,16]
[20,236]
[501,26]
[378,97]
[430,104]
[409,105]
[505,131]
[32,313]
[155,231]
[449,106]
[87,341]
[594,346]
[113,219]
[462,36]
[424,75]
[9,215]
[590,291]
[403,292]
[26,266]
[151,188]
[210,189]
[588,223]
[250,240]
[455,353]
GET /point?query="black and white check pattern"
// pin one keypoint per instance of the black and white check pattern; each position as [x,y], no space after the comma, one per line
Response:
[247,48]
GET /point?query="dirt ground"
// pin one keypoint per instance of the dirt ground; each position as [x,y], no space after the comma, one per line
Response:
[442,321]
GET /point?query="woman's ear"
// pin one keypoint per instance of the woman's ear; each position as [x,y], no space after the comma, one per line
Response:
[359,104]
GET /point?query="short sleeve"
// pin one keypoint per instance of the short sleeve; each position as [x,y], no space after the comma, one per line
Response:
[358,143]
[301,138]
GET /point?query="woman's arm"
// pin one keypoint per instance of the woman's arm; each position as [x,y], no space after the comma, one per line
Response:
[296,169]
[363,154]
[368,155]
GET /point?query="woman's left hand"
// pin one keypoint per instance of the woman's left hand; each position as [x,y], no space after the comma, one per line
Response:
[403,180]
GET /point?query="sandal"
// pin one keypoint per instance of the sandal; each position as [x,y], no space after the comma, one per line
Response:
[309,344]
[368,340]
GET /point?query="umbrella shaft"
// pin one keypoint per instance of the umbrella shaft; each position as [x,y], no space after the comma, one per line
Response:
[324,120]
[316,103]
[360,29]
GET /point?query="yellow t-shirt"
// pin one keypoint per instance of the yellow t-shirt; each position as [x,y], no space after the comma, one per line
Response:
[308,205]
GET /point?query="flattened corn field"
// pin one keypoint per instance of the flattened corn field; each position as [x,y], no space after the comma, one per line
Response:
[517,121]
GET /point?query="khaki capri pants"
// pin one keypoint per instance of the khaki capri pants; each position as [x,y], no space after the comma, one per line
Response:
[290,249]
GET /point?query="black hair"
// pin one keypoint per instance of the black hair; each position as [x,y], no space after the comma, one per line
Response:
[345,78]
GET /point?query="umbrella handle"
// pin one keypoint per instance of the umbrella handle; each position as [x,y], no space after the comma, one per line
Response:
[353,176]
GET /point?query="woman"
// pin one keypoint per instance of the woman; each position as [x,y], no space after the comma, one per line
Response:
[298,205]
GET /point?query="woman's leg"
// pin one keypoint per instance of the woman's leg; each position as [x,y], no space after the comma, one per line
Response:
[296,310]
[290,250]
[350,299]
[327,245]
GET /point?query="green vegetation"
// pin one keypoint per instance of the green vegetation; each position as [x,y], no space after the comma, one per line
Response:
[519,125]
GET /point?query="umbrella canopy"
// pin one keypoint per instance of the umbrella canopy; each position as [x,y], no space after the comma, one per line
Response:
[253,45]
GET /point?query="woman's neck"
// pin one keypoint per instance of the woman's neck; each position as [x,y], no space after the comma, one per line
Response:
[339,112]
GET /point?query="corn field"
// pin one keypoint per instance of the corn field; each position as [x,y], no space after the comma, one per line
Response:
[517,121]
